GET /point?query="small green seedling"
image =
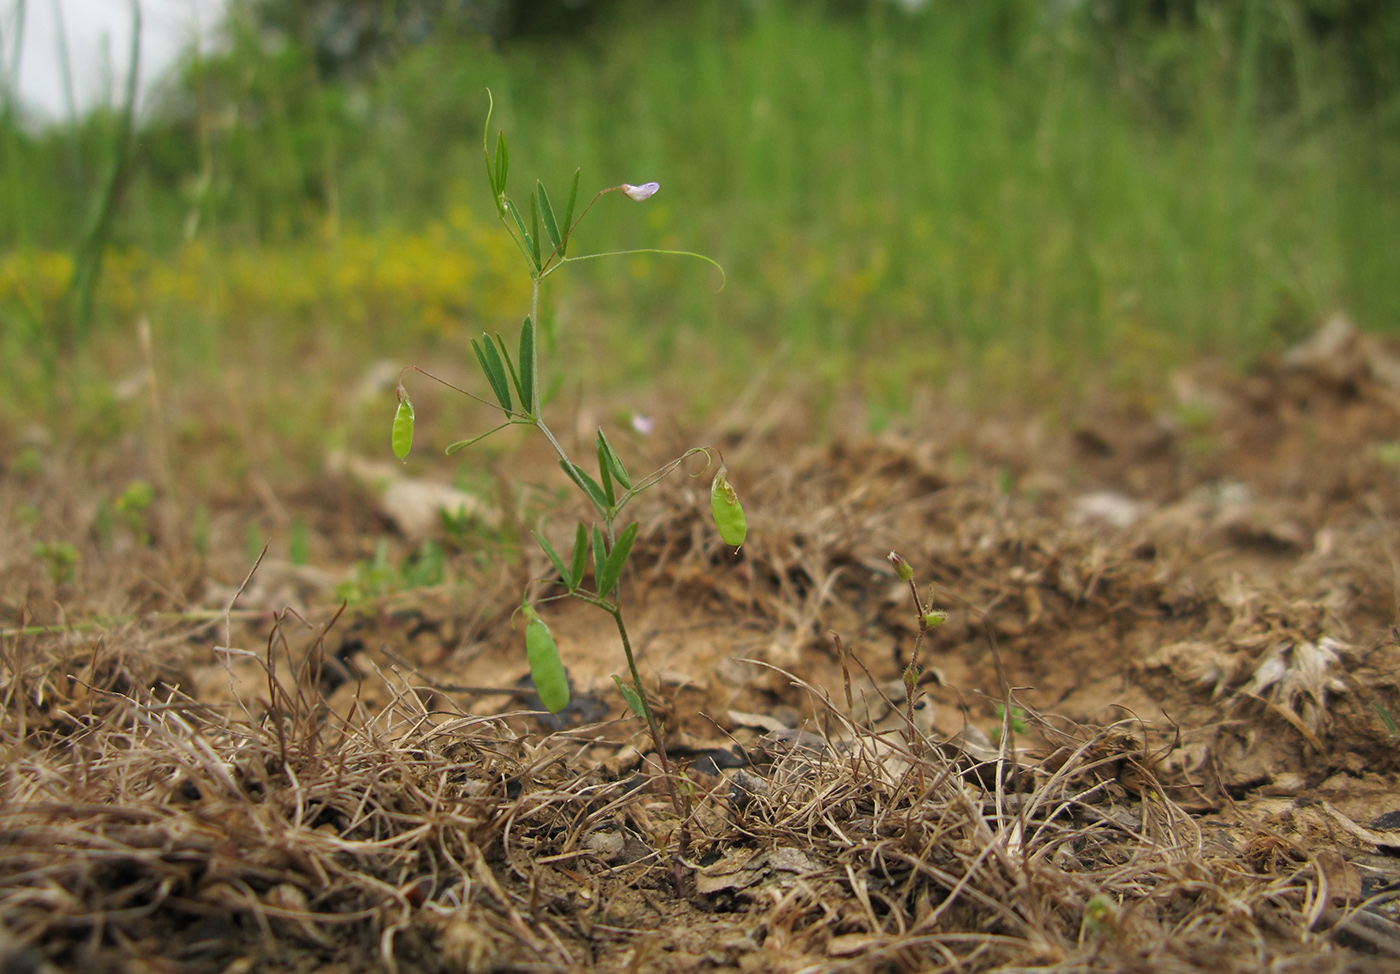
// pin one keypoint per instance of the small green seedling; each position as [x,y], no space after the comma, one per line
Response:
[1383,713]
[1100,917]
[928,618]
[299,547]
[1018,722]
[377,576]
[60,557]
[594,569]
[131,506]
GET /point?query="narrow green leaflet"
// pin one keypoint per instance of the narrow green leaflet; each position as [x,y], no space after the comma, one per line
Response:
[633,700]
[569,214]
[527,243]
[535,232]
[554,557]
[605,475]
[547,215]
[502,163]
[463,444]
[617,558]
[402,438]
[607,457]
[586,484]
[600,558]
[546,668]
[514,378]
[580,556]
[490,360]
[527,366]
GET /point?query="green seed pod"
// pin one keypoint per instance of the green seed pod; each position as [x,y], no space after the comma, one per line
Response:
[728,512]
[402,439]
[934,618]
[546,668]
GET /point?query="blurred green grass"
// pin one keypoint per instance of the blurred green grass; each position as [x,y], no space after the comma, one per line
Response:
[995,199]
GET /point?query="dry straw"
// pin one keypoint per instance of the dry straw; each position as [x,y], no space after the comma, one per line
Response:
[138,821]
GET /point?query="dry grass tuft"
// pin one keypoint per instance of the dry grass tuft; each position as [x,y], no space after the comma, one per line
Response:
[139,822]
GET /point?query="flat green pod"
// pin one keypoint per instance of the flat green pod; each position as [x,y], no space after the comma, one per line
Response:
[402,436]
[546,668]
[727,511]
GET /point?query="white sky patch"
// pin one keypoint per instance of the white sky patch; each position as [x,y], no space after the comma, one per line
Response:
[98,38]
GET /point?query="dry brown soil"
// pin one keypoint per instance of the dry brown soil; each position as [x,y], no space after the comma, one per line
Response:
[1194,611]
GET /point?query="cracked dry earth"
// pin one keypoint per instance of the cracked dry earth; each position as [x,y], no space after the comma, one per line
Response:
[1193,611]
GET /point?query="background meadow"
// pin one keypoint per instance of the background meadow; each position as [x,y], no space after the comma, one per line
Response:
[1001,200]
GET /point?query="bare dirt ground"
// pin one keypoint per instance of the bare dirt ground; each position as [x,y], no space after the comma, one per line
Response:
[1193,613]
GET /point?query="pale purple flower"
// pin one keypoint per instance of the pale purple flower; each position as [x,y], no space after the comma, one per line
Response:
[643,192]
[643,424]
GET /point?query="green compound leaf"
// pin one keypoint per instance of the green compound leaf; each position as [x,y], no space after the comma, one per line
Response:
[559,565]
[490,360]
[617,558]
[580,556]
[727,511]
[546,668]
[547,215]
[569,214]
[630,695]
[586,484]
[527,366]
[402,437]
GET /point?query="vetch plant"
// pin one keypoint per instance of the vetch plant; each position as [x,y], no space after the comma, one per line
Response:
[601,548]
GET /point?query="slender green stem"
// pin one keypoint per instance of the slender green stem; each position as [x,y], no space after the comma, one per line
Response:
[652,725]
